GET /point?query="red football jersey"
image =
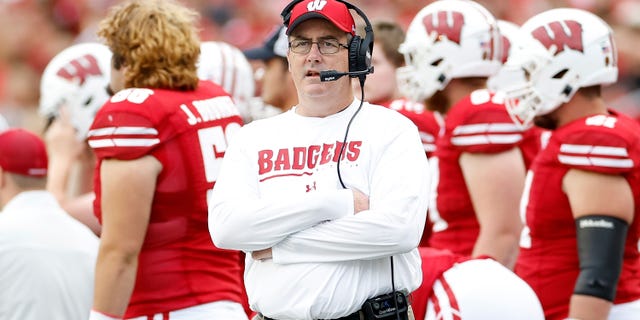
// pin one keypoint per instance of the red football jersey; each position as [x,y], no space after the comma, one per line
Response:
[479,123]
[430,126]
[186,131]
[548,258]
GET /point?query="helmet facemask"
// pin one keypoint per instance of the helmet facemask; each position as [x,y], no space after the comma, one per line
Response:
[425,71]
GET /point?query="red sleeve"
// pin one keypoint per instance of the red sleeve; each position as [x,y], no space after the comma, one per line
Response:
[598,148]
[484,127]
[123,135]
[429,124]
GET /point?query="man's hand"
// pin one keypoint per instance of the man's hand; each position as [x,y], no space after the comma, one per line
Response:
[262,254]
[360,201]
[64,150]
[60,138]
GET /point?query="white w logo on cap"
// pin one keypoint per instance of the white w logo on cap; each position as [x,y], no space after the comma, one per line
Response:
[316,5]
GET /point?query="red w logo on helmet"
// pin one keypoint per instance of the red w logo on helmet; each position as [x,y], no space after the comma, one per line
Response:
[506,46]
[80,69]
[451,31]
[560,39]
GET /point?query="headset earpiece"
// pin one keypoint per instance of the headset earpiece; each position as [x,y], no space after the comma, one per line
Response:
[363,50]
[286,12]
[360,49]
[354,53]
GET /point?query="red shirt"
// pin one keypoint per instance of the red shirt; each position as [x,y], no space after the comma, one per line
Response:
[548,258]
[478,123]
[430,126]
[179,266]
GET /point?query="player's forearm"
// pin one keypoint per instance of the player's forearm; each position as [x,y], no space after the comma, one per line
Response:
[59,170]
[114,281]
[501,246]
[588,308]
[497,203]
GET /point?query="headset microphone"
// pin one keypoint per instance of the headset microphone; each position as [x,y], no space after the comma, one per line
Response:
[333,75]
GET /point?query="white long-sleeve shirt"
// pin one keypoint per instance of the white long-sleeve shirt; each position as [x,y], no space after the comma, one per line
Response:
[47,261]
[279,188]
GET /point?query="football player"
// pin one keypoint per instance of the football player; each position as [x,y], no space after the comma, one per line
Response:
[509,33]
[159,142]
[382,87]
[480,160]
[74,85]
[579,247]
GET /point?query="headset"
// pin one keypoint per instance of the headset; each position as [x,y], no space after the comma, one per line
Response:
[360,49]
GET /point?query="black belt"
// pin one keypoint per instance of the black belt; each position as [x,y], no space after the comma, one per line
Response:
[353,316]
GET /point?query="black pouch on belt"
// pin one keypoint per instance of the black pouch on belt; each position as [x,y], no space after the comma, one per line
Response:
[384,307]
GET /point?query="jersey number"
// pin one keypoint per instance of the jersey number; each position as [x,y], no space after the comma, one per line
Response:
[602,120]
[133,95]
[213,144]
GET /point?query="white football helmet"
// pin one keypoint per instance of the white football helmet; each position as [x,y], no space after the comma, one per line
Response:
[448,39]
[562,51]
[77,78]
[509,33]
[227,66]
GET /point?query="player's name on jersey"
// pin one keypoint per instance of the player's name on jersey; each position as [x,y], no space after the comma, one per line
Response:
[209,110]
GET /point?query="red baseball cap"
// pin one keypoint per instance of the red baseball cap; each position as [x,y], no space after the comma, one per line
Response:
[23,152]
[334,11]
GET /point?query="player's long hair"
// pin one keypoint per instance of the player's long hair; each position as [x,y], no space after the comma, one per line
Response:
[156,40]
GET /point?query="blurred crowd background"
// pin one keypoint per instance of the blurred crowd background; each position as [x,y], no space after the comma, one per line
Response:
[33,31]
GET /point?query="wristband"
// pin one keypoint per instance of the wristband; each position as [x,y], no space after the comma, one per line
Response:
[97,315]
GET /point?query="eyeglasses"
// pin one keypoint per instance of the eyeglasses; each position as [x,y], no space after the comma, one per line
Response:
[325,46]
